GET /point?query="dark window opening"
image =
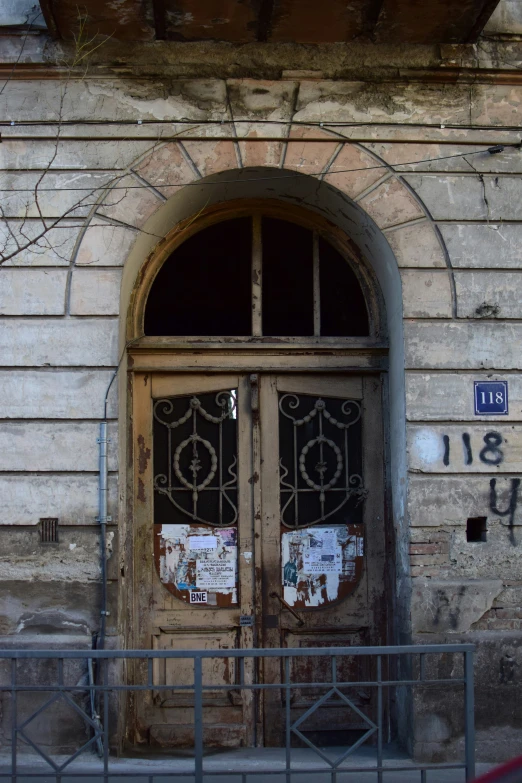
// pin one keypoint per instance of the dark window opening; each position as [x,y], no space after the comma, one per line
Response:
[343,309]
[307,287]
[204,287]
[288,294]
[476,529]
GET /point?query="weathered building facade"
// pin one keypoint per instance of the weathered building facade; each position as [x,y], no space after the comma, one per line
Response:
[268,142]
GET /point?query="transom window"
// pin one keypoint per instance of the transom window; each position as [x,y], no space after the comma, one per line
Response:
[256,276]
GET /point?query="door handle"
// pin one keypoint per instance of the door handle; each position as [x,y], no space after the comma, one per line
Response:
[287,606]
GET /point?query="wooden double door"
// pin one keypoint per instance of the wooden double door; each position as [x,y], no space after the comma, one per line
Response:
[258,523]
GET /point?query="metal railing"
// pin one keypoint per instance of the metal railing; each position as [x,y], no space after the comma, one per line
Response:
[397,676]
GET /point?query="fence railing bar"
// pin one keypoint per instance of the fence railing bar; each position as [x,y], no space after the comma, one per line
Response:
[288,721]
[354,747]
[87,745]
[252,686]
[379,717]
[315,749]
[312,709]
[105,680]
[273,652]
[14,719]
[39,751]
[469,721]
[93,706]
[226,772]
[198,719]
[67,699]
[37,712]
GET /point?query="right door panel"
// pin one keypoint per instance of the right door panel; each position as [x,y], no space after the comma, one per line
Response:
[323,540]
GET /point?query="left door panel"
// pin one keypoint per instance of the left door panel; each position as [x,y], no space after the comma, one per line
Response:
[192,549]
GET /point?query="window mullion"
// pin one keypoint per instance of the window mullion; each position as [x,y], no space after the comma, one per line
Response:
[257,276]
[317,286]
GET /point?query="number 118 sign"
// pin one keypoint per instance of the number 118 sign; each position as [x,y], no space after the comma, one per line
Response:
[491,397]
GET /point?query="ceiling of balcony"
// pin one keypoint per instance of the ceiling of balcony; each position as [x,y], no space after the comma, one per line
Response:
[299,21]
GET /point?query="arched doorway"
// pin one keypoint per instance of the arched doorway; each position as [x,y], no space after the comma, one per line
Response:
[258,476]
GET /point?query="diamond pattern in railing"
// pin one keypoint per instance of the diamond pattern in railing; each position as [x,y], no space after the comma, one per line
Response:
[98,734]
[334,764]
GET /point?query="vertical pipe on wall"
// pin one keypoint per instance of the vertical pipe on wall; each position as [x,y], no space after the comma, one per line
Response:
[103,519]
[103,489]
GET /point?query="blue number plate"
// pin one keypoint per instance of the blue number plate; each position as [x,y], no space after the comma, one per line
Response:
[491,397]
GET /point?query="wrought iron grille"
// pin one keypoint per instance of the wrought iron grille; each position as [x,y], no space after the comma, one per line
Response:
[321,460]
[195,459]
[404,670]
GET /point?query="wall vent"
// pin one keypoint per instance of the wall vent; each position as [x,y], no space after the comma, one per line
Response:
[49,530]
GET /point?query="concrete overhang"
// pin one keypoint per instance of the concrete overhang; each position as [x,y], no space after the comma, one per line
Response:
[276,21]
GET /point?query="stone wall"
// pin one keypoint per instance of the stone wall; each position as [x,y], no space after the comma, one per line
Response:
[452,215]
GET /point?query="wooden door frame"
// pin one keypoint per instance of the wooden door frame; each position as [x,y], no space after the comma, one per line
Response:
[165,355]
[145,355]
[365,356]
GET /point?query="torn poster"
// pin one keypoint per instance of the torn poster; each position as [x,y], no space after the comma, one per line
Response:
[195,558]
[321,564]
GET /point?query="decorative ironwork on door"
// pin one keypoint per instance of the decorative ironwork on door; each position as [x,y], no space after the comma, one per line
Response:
[320,461]
[195,459]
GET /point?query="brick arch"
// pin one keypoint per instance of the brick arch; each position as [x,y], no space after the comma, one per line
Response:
[357,172]
[373,183]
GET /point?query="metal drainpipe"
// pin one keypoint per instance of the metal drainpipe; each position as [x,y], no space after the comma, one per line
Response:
[103,490]
[102,520]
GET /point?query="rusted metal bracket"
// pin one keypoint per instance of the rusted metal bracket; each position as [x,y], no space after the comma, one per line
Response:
[300,622]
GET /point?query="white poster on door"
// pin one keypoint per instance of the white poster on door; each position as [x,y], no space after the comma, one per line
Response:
[215,574]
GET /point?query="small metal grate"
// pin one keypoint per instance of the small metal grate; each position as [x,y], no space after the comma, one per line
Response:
[49,530]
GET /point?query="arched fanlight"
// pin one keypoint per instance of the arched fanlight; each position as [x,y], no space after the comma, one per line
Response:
[298,282]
